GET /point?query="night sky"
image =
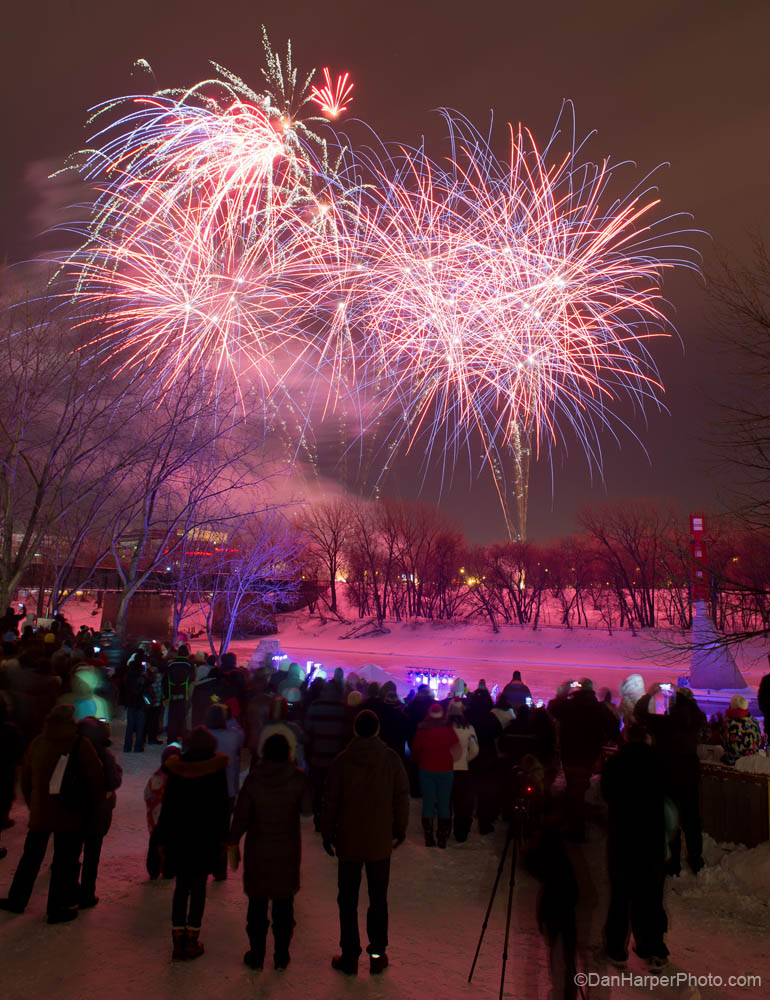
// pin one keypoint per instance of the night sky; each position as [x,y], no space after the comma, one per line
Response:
[680,81]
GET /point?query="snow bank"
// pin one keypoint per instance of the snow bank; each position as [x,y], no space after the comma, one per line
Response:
[735,882]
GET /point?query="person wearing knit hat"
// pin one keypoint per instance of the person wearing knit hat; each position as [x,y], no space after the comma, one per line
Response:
[435,748]
[268,811]
[366,806]
[279,728]
[354,699]
[742,736]
[193,825]
[516,692]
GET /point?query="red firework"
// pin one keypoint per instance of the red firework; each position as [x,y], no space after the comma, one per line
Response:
[331,98]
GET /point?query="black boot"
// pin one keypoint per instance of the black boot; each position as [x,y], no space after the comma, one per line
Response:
[442,834]
[427,827]
[254,957]
[283,931]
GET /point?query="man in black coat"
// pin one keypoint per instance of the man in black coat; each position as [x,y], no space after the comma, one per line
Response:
[326,733]
[585,726]
[677,735]
[366,809]
[633,784]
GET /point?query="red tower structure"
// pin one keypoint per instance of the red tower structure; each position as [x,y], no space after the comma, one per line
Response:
[699,560]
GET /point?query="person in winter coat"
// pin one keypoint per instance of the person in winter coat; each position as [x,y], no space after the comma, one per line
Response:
[435,748]
[394,728]
[631,690]
[763,697]
[34,691]
[486,769]
[742,735]
[462,790]
[179,678]
[418,707]
[278,722]
[257,709]
[153,800]
[98,822]
[676,735]
[273,797]
[366,811]
[210,690]
[61,780]
[326,733]
[548,860]
[229,737]
[478,705]
[633,785]
[154,692]
[585,726]
[516,692]
[192,829]
[137,698]
[11,753]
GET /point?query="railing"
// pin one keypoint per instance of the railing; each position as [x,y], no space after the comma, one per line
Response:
[734,805]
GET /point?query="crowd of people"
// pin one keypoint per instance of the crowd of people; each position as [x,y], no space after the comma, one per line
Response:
[350,753]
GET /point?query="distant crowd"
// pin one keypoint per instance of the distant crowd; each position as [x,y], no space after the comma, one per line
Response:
[349,752]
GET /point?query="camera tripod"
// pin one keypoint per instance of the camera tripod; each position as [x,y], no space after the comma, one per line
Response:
[513,841]
[517,829]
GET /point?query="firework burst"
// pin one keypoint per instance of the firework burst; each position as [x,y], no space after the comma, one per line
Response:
[212,213]
[331,97]
[505,298]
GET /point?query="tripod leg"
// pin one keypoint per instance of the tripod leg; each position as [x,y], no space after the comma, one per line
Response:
[491,902]
[508,918]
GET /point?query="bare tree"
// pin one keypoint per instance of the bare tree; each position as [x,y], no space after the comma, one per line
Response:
[742,295]
[326,525]
[630,538]
[195,460]
[59,423]
[250,576]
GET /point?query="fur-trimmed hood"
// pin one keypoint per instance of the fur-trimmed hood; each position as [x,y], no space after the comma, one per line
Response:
[196,768]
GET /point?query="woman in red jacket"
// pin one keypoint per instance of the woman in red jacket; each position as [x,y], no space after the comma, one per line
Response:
[435,747]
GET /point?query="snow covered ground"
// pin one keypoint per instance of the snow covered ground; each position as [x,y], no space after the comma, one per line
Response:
[719,922]
[546,657]
[720,925]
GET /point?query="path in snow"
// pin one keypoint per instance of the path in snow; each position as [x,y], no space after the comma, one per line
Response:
[120,950]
